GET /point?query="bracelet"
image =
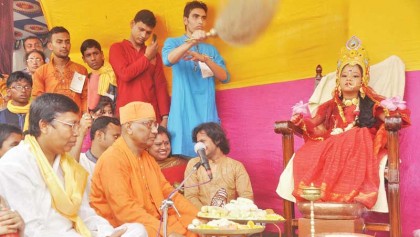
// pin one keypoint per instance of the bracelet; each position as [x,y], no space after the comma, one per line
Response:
[165,117]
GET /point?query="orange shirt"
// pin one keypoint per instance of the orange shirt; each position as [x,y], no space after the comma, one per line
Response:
[47,79]
[127,188]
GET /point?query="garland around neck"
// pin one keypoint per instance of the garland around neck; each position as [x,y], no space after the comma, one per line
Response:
[349,102]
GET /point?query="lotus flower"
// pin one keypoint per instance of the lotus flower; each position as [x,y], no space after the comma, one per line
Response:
[300,108]
[393,103]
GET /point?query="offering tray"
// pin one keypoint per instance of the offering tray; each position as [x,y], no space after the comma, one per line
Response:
[218,231]
[271,218]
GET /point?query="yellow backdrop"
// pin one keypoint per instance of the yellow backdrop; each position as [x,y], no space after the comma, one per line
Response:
[302,34]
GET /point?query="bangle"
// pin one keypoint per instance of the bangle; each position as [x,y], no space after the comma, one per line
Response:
[165,117]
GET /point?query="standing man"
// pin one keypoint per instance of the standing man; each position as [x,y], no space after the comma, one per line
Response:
[61,75]
[19,87]
[139,68]
[102,80]
[127,184]
[30,44]
[230,177]
[47,186]
[195,65]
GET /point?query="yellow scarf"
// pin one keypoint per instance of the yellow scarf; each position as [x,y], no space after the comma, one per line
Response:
[66,202]
[20,110]
[106,78]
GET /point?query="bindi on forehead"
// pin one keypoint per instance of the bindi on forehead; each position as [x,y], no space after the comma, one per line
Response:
[350,69]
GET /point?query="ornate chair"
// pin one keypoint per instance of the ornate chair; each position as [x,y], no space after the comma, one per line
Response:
[392,124]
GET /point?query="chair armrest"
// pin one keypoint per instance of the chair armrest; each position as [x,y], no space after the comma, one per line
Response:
[287,128]
[392,126]
[393,123]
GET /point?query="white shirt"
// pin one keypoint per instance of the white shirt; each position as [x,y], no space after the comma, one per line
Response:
[23,186]
[89,167]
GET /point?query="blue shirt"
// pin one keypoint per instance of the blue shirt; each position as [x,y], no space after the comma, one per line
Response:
[193,97]
[8,117]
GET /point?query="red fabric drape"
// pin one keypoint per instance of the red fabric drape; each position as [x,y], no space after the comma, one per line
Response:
[6,36]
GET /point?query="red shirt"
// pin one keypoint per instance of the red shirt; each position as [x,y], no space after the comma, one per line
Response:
[93,96]
[138,79]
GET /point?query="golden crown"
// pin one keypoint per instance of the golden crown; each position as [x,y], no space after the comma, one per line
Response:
[354,54]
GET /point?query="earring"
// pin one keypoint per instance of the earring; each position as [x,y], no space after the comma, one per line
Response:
[339,91]
[362,92]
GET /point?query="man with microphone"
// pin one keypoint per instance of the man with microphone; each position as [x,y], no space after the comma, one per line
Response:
[228,177]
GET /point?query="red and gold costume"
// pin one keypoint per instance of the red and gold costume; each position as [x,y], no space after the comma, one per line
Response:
[344,165]
[173,169]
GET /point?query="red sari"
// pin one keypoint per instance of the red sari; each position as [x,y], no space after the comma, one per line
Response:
[173,169]
[344,166]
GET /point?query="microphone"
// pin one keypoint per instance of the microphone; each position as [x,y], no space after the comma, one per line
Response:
[200,149]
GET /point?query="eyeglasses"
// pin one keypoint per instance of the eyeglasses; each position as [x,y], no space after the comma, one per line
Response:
[20,88]
[34,60]
[74,126]
[149,124]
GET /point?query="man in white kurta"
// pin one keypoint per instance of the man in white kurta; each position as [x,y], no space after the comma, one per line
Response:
[22,174]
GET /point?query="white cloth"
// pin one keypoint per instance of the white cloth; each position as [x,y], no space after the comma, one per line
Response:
[87,164]
[18,62]
[89,167]
[22,185]
[387,78]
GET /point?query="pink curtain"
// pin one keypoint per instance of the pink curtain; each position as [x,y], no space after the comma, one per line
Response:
[6,36]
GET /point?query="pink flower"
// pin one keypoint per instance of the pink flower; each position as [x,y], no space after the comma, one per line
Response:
[394,103]
[300,108]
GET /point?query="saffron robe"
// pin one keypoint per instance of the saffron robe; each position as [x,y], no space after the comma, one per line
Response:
[128,188]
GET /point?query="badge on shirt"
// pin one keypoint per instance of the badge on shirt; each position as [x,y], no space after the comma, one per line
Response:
[205,70]
[77,82]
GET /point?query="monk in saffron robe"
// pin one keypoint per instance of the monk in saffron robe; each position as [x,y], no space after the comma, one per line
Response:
[127,183]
